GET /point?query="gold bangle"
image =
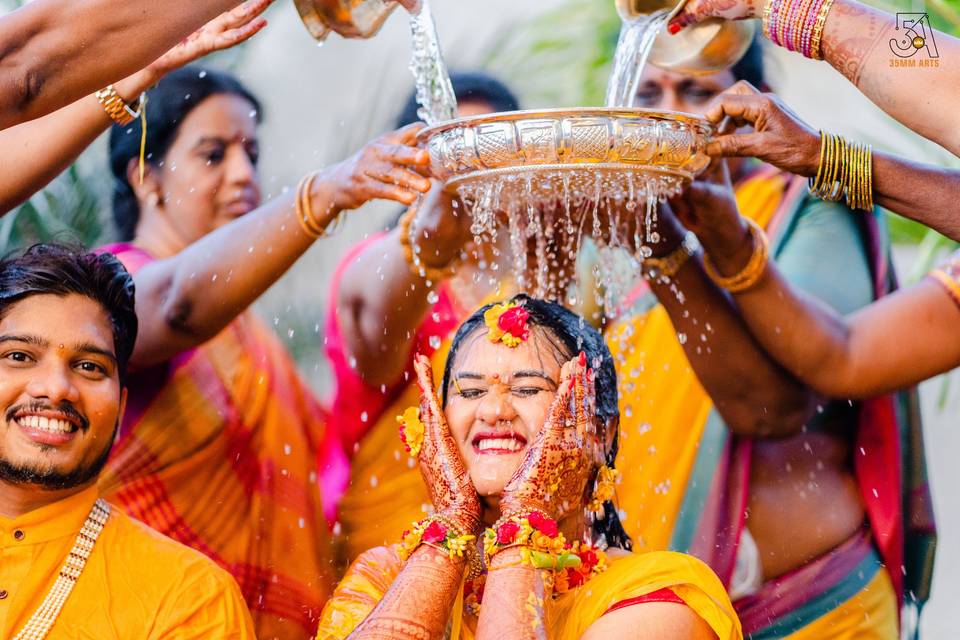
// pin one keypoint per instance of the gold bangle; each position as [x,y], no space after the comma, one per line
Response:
[818,26]
[670,265]
[305,215]
[855,194]
[825,184]
[838,175]
[846,169]
[815,182]
[115,106]
[411,253]
[866,177]
[754,269]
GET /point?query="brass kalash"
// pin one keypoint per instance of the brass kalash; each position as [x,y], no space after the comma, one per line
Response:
[548,179]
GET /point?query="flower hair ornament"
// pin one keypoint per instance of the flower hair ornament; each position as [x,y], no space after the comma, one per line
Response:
[507,323]
[411,430]
[606,487]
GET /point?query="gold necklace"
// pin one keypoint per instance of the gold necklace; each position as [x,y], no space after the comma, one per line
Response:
[43,618]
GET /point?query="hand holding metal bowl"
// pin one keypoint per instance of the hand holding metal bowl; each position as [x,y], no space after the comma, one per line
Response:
[582,143]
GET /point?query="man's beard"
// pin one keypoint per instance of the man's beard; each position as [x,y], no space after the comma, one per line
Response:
[51,479]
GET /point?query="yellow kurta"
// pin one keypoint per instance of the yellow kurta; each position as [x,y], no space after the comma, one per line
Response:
[570,614]
[137,584]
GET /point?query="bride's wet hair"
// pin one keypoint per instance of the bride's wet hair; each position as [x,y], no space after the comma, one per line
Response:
[567,334]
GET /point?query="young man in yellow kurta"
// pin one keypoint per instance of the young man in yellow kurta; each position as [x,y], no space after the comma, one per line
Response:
[67,328]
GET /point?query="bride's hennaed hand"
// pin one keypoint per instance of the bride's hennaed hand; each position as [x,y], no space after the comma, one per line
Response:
[387,168]
[447,479]
[554,474]
[779,136]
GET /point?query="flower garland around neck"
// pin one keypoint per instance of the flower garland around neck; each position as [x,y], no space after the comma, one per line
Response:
[507,324]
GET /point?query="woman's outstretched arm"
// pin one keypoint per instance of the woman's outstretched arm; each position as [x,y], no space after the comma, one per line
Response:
[45,147]
[925,193]
[187,299]
[55,52]
[859,42]
[900,340]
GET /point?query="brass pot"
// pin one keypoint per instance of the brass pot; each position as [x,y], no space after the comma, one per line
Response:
[349,18]
[710,46]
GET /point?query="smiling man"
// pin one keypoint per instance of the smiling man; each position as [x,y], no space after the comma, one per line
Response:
[68,561]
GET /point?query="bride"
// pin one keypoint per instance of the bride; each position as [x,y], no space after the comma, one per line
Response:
[524,540]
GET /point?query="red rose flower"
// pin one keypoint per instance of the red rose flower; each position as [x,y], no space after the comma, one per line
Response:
[435,533]
[543,524]
[588,559]
[575,578]
[514,322]
[507,532]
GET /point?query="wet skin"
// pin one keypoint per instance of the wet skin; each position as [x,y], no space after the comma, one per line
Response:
[498,401]
[804,499]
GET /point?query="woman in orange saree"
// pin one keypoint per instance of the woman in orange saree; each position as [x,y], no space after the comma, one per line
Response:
[220,445]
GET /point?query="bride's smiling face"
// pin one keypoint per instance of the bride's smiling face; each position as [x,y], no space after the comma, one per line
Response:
[498,398]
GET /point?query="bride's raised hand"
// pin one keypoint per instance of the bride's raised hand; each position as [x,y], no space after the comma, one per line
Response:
[555,472]
[451,490]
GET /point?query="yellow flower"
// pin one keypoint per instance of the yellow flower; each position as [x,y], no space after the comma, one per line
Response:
[525,531]
[411,430]
[541,542]
[510,330]
[456,546]
[489,544]
[607,480]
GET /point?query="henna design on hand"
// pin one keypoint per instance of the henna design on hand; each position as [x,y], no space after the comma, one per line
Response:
[554,475]
[451,490]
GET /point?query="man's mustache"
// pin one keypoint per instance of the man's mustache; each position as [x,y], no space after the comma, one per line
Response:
[64,408]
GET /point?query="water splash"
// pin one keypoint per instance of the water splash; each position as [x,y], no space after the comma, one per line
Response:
[431,79]
[546,211]
[633,48]
[547,215]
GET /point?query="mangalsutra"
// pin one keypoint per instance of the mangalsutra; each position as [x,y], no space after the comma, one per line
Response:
[40,623]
